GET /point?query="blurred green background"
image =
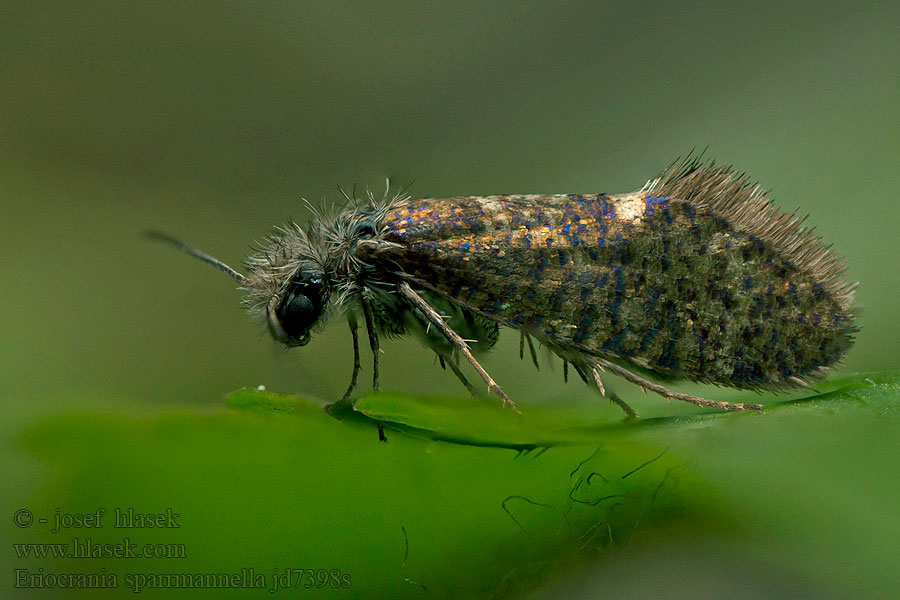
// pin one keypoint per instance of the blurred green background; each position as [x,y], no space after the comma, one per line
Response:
[212,120]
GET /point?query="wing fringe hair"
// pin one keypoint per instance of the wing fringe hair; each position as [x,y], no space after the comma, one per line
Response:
[746,206]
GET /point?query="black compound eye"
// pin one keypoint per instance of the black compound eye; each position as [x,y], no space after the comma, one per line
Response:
[300,308]
[365,230]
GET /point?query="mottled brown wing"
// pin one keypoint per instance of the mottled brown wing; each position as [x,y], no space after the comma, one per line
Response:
[664,284]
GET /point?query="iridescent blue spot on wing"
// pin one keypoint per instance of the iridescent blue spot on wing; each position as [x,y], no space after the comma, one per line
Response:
[603,208]
[654,203]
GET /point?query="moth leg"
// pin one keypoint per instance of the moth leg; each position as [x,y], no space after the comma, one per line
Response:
[583,369]
[330,408]
[455,368]
[533,353]
[523,337]
[455,340]
[373,338]
[351,320]
[459,374]
[613,397]
[667,393]
[373,344]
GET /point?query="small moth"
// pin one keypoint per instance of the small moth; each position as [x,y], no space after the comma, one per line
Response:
[695,276]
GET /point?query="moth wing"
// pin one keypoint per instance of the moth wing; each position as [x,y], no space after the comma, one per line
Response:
[657,282]
[522,261]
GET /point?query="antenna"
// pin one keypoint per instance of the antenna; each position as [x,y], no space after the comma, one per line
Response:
[156,235]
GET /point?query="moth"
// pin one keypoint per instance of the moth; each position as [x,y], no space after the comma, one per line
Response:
[693,276]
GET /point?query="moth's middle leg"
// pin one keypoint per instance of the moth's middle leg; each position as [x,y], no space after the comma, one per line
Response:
[373,337]
[351,320]
[435,319]
[373,344]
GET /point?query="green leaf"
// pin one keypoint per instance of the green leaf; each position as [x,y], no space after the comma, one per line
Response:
[466,499]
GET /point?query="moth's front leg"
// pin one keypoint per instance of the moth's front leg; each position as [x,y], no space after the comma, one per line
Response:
[435,319]
[345,399]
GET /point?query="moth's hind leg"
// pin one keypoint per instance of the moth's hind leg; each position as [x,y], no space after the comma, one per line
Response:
[435,319]
[667,393]
[594,378]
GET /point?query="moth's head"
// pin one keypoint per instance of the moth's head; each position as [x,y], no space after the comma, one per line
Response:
[286,283]
[292,313]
